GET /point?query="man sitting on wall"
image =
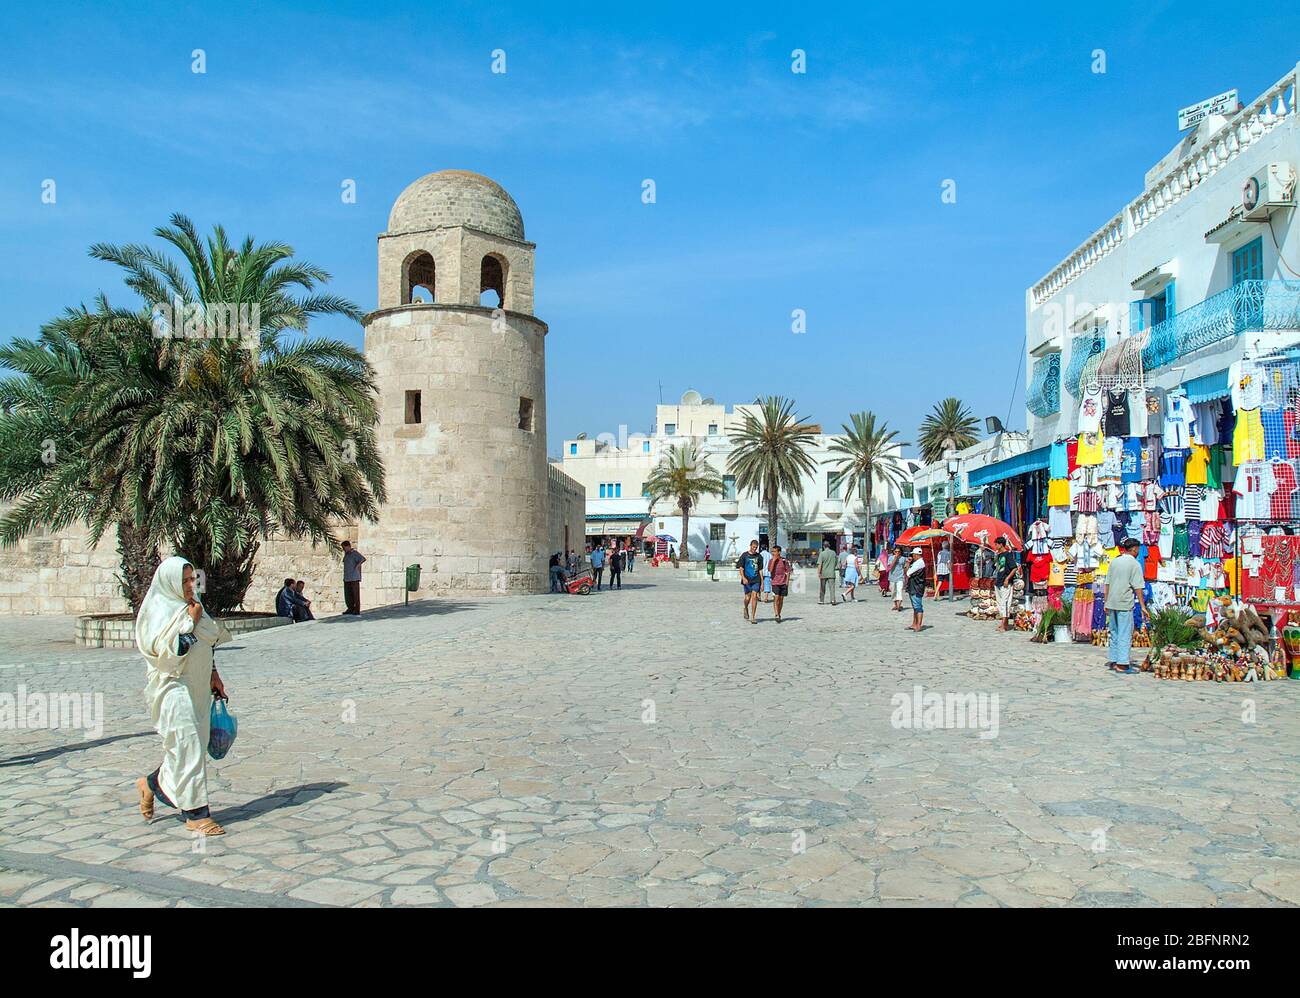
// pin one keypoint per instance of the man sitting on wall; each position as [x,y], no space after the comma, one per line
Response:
[303,609]
[285,600]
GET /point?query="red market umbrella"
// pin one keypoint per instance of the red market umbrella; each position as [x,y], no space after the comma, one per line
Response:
[921,535]
[976,528]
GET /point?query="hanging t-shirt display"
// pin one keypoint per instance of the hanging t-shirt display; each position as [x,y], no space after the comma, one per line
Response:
[1131,461]
[1205,425]
[1090,450]
[1214,467]
[1253,487]
[1116,423]
[1090,410]
[1284,484]
[1155,399]
[1058,492]
[1273,423]
[1247,396]
[1137,414]
[1058,461]
[1038,537]
[1178,421]
[1152,449]
[1246,384]
[1248,437]
[1112,461]
[1058,522]
[1173,467]
[1198,459]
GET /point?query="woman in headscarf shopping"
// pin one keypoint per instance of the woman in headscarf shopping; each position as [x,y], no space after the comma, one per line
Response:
[177,637]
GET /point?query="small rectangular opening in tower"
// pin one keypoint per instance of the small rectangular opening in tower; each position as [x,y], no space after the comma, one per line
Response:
[526,414]
[413,407]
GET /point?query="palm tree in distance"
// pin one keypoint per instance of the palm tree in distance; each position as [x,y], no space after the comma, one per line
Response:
[869,453]
[950,425]
[685,477]
[770,454]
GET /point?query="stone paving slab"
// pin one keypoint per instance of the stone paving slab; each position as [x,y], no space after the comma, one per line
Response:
[648,747]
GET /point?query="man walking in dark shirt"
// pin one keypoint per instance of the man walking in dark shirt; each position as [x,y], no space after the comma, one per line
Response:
[750,566]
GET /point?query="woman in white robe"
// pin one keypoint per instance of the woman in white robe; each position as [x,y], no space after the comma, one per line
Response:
[176,637]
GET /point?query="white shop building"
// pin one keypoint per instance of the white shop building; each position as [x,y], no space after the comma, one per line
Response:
[1201,268]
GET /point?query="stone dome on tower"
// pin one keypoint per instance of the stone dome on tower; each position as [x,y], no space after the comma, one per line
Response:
[456,197]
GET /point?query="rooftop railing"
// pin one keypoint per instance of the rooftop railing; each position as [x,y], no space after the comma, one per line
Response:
[1241,131]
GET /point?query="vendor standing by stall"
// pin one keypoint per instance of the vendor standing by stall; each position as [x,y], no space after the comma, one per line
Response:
[1124,584]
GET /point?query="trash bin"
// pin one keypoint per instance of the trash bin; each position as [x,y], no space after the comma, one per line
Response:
[708,567]
[412,581]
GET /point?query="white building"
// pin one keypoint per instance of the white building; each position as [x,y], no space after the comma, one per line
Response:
[614,471]
[1199,269]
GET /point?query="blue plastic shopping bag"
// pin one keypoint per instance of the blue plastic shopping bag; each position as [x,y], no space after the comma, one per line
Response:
[223,730]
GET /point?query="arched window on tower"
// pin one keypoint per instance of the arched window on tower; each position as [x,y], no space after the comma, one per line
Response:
[418,281]
[493,278]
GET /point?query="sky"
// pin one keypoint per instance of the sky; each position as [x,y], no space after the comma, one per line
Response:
[775,191]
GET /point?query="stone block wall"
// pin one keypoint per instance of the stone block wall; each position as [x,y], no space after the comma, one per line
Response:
[567,507]
[59,572]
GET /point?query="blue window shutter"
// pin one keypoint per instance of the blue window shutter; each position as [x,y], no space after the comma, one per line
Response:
[618,490]
[573,448]
[1169,300]
[602,490]
[1135,316]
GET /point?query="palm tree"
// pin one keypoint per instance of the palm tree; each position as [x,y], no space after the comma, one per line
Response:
[214,441]
[770,454]
[684,476]
[949,425]
[47,467]
[869,453]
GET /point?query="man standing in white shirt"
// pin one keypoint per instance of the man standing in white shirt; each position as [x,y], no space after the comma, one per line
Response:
[943,571]
[1124,584]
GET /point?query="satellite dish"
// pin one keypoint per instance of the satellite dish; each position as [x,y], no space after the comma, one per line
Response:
[707,401]
[581,436]
[692,397]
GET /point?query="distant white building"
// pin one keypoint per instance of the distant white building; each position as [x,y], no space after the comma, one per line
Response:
[614,471]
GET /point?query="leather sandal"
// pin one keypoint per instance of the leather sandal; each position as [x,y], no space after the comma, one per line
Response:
[205,826]
[146,798]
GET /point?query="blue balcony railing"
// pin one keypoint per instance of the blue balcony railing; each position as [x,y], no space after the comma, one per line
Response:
[1044,395]
[1082,348]
[1247,307]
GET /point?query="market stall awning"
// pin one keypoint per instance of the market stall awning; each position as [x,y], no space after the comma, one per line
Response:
[1021,464]
[1208,387]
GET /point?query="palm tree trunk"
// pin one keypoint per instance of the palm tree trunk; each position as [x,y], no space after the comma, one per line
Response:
[684,551]
[138,558]
[771,519]
[867,530]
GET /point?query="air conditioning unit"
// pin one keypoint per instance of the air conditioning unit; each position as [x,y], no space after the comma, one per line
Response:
[1269,189]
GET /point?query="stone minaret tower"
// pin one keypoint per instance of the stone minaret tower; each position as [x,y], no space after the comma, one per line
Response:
[460,360]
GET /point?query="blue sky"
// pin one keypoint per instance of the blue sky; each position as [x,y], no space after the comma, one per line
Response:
[776,191]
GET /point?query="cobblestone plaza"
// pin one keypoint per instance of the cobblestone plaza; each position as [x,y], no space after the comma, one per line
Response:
[648,747]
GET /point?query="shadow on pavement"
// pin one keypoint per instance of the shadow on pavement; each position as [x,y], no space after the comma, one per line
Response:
[31,758]
[288,797]
[421,608]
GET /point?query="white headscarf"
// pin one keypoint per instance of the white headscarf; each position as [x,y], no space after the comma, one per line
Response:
[157,619]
